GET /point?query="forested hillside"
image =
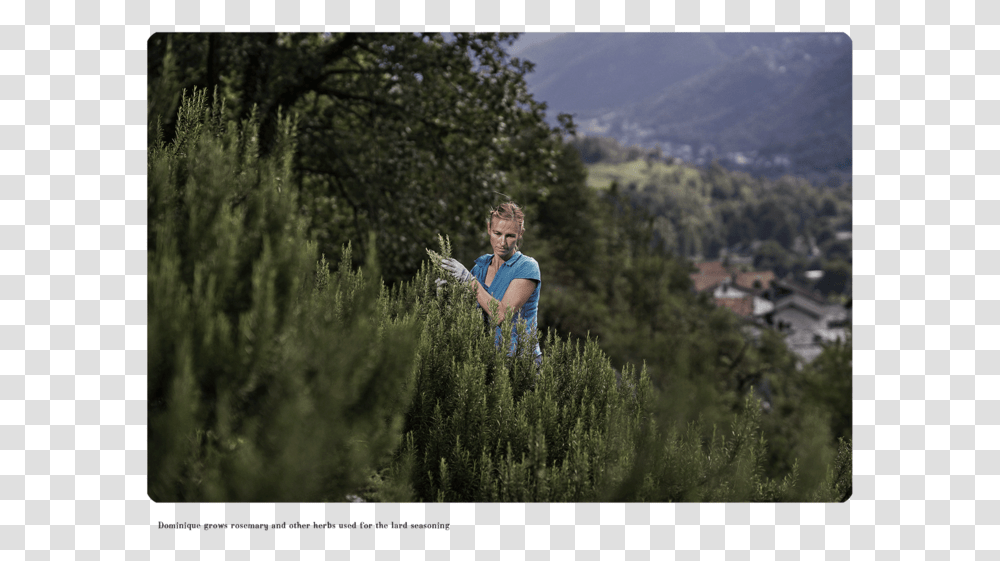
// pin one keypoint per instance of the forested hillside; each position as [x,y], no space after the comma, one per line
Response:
[274,376]
[787,225]
[770,103]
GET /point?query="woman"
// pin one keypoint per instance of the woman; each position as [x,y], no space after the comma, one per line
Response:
[506,276]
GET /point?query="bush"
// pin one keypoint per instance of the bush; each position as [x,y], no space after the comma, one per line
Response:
[269,378]
[484,426]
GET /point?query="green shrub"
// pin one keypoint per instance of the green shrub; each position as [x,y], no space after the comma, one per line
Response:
[484,426]
[269,378]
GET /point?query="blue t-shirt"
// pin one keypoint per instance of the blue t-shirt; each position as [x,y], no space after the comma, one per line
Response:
[519,266]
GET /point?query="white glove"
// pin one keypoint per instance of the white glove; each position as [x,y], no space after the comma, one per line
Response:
[457,270]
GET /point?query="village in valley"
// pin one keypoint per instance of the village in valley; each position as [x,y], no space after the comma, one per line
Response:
[806,318]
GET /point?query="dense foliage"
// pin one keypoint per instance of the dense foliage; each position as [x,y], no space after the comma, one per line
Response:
[484,426]
[789,225]
[626,290]
[402,134]
[248,399]
[273,377]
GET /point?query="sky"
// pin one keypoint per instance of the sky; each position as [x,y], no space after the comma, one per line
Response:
[528,39]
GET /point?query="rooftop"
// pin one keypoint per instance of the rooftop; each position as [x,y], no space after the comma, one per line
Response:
[742,307]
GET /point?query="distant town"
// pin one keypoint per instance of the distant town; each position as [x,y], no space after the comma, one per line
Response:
[763,301]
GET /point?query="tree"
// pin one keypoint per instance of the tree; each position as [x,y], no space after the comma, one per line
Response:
[836,275]
[771,256]
[406,135]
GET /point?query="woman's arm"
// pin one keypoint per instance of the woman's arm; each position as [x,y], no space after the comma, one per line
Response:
[516,296]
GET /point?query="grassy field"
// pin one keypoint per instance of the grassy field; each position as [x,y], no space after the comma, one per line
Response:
[640,172]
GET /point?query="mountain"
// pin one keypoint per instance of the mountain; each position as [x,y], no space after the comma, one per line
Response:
[591,71]
[769,102]
[813,124]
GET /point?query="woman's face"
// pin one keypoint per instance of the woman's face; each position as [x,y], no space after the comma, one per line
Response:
[504,235]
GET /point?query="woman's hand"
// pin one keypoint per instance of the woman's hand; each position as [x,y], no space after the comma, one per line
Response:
[457,270]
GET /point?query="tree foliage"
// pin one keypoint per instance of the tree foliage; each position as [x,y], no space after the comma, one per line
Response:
[402,134]
[700,212]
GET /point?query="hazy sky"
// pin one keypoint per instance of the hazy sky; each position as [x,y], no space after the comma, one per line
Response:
[529,39]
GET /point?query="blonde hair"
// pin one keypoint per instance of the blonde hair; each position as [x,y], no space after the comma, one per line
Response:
[510,212]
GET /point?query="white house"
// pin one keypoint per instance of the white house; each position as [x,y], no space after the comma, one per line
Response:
[807,320]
